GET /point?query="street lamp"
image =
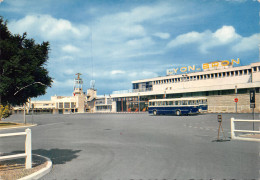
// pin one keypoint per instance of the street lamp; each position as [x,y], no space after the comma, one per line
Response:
[24,88]
[139,102]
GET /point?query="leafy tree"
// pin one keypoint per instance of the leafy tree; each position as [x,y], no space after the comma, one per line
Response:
[23,72]
[4,111]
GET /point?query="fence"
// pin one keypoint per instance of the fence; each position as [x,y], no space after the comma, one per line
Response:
[28,148]
[245,138]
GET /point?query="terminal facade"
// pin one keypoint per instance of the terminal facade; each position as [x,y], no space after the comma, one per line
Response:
[219,82]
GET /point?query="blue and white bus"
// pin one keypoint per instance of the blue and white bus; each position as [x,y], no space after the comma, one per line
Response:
[177,106]
[203,104]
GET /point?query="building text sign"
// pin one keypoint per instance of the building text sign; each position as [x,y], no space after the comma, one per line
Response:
[205,66]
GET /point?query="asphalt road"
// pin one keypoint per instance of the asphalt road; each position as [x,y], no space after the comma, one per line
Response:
[138,146]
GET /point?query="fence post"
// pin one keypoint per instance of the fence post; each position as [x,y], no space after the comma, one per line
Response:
[28,149]
[232,126]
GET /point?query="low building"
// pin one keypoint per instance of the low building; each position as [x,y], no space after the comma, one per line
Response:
[219,81]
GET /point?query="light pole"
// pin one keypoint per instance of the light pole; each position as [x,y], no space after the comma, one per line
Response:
[236,96]
[139,102]
[24,103]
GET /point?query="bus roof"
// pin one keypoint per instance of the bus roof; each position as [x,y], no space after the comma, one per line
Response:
[180,99]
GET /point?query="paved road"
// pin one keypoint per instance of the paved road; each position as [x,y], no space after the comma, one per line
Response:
[138,146]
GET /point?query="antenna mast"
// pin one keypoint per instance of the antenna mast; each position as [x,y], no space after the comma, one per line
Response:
[92,82]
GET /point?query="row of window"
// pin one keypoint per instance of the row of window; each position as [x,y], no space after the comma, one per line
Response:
[178,103]
[208,76]
[66,105]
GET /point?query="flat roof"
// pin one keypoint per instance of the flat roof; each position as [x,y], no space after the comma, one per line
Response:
[198,73]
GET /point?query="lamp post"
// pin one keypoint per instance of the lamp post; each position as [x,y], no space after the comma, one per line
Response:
[24,118]
[236,96]
[139,102]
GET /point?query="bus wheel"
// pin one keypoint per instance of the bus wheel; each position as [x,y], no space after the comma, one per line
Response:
[178,112]
[154,112]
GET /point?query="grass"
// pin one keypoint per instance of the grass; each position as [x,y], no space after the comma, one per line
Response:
[10,124]
[7,124]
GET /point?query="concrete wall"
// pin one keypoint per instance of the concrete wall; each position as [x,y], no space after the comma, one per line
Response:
[225,103]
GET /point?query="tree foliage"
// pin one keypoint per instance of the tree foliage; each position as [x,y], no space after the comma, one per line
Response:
[4,111]
[22,63]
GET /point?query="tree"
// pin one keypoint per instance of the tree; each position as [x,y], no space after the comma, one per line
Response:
[23,72]
[4,111]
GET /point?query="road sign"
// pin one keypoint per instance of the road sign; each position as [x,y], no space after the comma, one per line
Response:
[236,99]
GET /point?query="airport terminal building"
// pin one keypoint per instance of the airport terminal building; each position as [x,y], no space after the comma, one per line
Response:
[220,82]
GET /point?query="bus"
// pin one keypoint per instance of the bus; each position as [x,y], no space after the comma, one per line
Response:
[177,106]
[203,104]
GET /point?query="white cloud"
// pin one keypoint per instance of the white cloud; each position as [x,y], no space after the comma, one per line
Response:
[162,35]
[70,49]
[49,28]
[60,84]
[225,36]
[116,72]
[247,43]
[139,43]
[187,38]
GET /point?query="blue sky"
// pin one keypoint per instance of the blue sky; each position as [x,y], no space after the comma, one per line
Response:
[133,39]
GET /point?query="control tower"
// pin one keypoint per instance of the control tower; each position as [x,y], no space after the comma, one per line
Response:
[79,94]
[78,83]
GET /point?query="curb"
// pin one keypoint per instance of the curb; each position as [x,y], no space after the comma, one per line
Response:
[40,173]
[18,127]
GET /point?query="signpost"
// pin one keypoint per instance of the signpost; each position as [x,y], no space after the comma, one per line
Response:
[236,99]
[220,125]
[252,105]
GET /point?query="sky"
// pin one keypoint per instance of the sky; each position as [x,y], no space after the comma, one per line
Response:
[114,42]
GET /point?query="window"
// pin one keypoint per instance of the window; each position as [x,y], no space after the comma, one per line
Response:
[245,72]
[176,103]
[236,73]
[228,74]
[170,103]
[219,75]
[60,105]
[212,76]
[254,68]
[240,73]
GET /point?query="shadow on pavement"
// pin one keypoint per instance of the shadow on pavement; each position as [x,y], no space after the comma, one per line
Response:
[57,156]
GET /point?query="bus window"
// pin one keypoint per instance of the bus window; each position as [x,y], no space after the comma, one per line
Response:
[170,103]
[176,102]
[167,103]
[184,103]
[156,103]
[150,103]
